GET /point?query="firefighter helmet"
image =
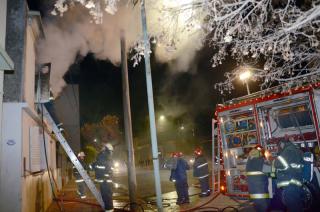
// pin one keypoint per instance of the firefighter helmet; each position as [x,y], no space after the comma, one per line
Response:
[109,147]
[198,151]
[254,153]
[81,154]
[174,154]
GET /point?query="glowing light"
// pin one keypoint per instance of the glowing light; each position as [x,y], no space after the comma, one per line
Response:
[162,118]
[245,75]
[116,185]
[267,154]
[222,188]
[116,164]
[182,127]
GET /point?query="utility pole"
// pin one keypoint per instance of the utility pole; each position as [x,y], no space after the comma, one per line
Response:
[153,131]
[132,181]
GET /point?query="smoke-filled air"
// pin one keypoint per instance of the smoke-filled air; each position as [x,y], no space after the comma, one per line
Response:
[78,32]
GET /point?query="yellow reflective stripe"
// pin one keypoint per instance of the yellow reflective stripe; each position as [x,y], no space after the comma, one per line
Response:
[202,165]
[295,165]
[79,181]
[254,173]
[288,182]
[284,162]
[259,196]
[100,167]
[203,176]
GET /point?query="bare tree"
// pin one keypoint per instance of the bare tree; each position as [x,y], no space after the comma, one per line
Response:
[277,39]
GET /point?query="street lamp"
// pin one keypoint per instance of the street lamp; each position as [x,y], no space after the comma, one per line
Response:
[244,76]
[162,118]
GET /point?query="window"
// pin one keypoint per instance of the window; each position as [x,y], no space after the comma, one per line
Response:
[294,117]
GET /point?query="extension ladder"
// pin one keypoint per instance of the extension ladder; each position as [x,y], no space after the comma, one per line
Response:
[72,156]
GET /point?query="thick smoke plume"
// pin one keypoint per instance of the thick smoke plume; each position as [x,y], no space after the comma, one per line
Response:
[75,34]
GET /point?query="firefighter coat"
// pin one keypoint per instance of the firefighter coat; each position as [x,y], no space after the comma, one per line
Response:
[289,166]
[200,167]
[257,180]
[103,167]
[180,173]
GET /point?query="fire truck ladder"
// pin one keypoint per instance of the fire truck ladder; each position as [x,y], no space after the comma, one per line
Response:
[72,156]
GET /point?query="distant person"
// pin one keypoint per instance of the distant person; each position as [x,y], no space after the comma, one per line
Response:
[201,171]
[257,180]
[179,177]
[81,185]
[103,173]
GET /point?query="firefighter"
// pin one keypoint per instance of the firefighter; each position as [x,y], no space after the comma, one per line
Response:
[179,177]
[257,180]
[201,171]
[288,167]
[103,175]
[81,186]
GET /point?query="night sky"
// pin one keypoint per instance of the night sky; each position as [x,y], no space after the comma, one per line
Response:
[101,91]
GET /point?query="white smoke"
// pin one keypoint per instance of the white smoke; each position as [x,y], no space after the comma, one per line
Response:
[74,34]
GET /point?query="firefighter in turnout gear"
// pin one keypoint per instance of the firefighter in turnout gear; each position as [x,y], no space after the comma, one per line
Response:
[179,177]
[257,180]
[81,185]
[103,175]
[201,171]
[288,167]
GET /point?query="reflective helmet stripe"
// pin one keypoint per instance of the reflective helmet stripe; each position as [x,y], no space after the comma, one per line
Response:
[259,196]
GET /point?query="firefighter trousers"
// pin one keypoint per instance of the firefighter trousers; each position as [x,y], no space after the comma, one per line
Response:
[292,198]
[261,205]
[106,193]
[204,185]
[182,190]
[81,188]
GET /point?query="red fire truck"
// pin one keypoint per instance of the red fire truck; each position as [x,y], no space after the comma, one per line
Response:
[263,118]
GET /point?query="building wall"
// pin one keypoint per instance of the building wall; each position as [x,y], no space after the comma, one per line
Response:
[21,189]
[3,18]
[15,46]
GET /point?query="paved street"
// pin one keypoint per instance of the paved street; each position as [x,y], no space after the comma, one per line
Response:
[146,196]
[145,182]
[145,193]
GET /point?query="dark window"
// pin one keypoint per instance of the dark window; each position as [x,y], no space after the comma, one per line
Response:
[295,119]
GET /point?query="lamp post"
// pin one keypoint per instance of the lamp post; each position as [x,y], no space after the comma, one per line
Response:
[153,131]
[244,76]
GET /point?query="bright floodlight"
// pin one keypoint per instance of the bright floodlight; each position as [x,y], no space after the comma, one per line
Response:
[116,164]
[245,75]
[162,117]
